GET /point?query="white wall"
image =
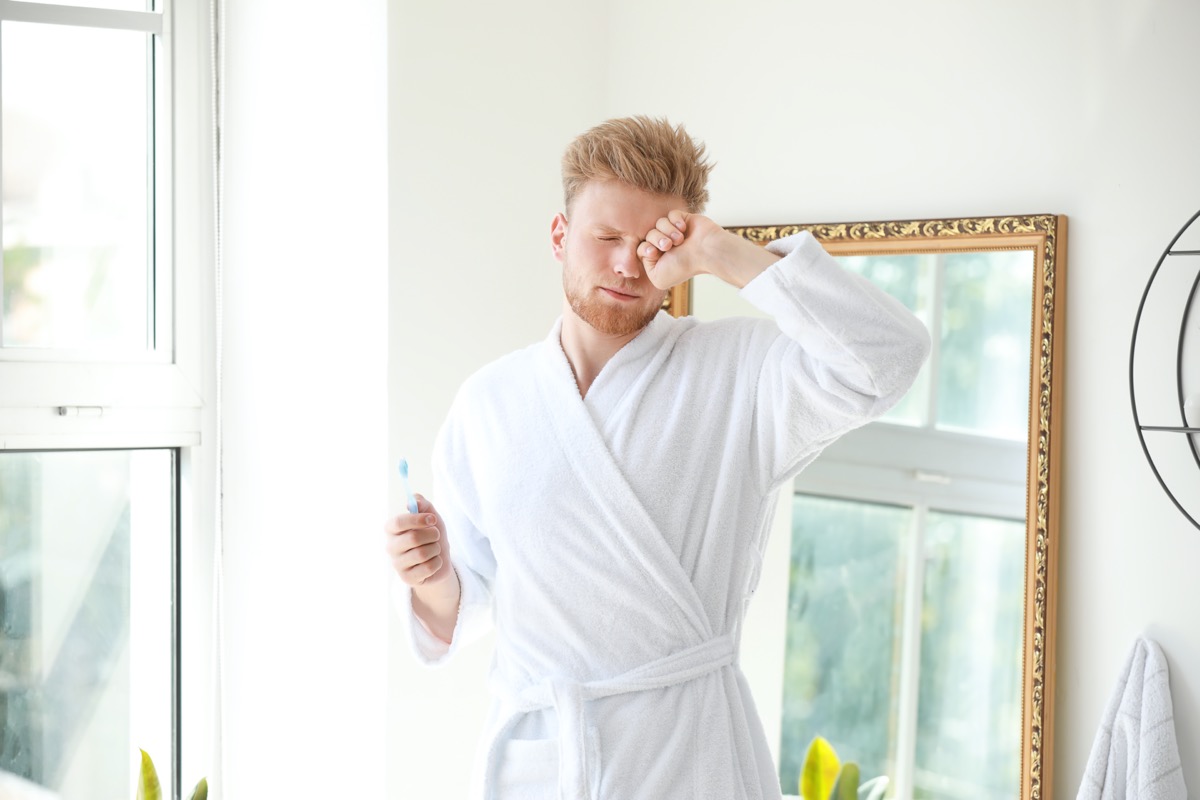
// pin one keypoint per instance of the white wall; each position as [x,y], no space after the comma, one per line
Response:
[837,111]
[305,399]
[482,100]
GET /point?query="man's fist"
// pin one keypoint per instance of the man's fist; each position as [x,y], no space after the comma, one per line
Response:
[682,245]
[678,247]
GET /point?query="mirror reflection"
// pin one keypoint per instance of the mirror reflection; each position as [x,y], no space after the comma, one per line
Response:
[906,635]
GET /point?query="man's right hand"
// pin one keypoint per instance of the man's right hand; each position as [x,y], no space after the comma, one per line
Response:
[417,546]
[420,554]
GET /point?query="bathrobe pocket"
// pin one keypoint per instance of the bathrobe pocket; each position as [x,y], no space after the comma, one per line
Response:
[528,770]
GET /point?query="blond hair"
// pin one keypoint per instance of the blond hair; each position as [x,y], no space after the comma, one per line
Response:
[648,154]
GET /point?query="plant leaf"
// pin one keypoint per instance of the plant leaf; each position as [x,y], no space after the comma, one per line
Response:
[846,787]
[821,767]
[201,790]
[148,785]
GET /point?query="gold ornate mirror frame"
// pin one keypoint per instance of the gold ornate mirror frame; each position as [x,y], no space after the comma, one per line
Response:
[1045,236]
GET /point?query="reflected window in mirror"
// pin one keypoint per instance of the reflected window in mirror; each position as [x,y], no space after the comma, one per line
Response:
[977,305]
[921,686]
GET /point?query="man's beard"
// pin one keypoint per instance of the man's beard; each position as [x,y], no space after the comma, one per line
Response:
[607,318]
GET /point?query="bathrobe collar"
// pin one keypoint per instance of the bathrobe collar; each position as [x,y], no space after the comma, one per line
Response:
[575,428]
[640,348]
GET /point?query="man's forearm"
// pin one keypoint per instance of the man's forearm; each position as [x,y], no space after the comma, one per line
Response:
[738,261]
[437,607]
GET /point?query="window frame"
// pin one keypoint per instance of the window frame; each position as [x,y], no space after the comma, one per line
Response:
[57,399]
[163,398]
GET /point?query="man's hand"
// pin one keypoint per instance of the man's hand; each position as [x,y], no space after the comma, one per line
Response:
[682,245]
[420,554]
[417,546]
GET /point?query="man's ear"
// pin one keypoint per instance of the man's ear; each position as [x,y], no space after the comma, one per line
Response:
[558,236]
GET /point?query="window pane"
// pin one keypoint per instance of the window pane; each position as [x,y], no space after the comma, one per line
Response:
[76,231]
[85,618]
[983,382]
[845,597]
[910,279]
[969,712]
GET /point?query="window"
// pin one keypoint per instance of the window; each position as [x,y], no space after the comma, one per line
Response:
[86,608]
[906,591]
[101,385]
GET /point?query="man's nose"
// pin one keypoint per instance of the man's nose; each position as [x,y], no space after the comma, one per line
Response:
[627,263]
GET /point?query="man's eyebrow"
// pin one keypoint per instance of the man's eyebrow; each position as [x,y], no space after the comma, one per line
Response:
[602,228]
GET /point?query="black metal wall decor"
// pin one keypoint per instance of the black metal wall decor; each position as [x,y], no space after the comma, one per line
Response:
[1175,456]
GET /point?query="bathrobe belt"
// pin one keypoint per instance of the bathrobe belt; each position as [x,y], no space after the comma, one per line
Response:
[569,700]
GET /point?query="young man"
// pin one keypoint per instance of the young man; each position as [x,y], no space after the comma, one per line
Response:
[605,494]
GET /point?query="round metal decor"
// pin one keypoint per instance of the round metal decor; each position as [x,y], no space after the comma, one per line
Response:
[1166,341]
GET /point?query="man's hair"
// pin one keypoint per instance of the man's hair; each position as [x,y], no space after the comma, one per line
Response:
[648,154]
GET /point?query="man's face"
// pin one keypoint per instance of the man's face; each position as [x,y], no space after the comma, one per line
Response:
[603,278]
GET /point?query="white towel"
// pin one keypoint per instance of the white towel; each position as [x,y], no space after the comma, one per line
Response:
[1135,756]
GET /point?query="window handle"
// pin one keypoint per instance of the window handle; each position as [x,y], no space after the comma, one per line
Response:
[79,411]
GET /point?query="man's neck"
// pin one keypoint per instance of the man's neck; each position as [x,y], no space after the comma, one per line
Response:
[587,349]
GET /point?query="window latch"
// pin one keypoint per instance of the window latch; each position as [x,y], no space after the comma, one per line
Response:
[79,411]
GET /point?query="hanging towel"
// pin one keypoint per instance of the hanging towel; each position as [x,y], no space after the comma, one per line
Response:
[1135,756]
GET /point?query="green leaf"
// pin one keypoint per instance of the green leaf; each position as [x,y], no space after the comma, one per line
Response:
[148,786]
[846,787]
[201,790]
[821,767]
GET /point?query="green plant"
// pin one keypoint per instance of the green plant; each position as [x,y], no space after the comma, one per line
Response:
[825,777]
[150,789]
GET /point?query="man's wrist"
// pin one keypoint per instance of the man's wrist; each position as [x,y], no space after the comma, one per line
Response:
[739,261]
[445,587]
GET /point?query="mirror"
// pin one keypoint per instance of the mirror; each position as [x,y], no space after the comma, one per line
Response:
[921,583]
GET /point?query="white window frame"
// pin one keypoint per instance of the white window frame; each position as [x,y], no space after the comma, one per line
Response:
[165,397]
[55,399]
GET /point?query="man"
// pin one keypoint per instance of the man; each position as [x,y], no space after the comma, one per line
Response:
[605,494]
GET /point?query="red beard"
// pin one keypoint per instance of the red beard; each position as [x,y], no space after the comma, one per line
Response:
[606,317]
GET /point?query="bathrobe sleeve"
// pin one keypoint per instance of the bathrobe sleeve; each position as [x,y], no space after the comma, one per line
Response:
[470,551]
[848,352]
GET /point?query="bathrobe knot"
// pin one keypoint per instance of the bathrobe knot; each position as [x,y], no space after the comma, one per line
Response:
[578,749]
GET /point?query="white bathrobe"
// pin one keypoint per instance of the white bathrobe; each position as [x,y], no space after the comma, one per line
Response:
[616,539]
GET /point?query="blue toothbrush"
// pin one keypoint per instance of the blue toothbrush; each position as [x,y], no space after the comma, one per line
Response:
[412,501]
